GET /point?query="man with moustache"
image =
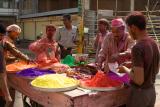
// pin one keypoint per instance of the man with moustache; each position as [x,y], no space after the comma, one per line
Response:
[116,45]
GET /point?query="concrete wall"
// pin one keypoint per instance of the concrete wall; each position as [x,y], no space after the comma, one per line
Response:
[140,5]
[32,6]
[32,27]
[110,4]
[7,20]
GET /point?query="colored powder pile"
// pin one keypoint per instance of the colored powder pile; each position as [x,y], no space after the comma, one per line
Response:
[101,80]
[34,72]
[125,78]
[17,66]
[68,60]
[54,81]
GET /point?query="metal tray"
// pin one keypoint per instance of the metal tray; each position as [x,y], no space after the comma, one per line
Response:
[102,88]
[55,89]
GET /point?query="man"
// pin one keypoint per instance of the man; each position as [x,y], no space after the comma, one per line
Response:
[103,30]
[46,48]
[4,91]
[118,41]
[145,63]
[67,36]
[11,52]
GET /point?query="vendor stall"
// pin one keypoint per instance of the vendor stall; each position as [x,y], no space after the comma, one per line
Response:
[76,97]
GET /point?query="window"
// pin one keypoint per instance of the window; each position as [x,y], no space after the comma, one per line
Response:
[7,4]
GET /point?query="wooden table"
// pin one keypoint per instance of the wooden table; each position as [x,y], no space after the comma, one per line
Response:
[74,98]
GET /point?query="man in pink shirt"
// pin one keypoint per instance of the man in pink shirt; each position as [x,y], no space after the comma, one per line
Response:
[117,44]
[103,30]
[46,49]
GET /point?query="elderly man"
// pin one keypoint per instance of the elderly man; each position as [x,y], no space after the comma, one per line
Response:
[46,48]
[67,36]
[11,52]
[145,63]
[118,41]
[103,30]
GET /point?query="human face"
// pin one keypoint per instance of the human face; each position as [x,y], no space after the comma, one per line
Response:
[66,22]
[50,31]
[117,32]
[13,35]
[101,27]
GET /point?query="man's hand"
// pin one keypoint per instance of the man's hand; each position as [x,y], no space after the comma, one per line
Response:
[99,66]
[8,98]
[106,68]
[122,69]
[128,64]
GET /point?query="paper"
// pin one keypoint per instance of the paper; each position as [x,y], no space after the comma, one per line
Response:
[113,67]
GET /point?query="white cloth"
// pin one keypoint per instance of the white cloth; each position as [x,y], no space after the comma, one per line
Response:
[14,28]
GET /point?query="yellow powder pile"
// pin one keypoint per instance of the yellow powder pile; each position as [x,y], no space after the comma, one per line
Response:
[54,81]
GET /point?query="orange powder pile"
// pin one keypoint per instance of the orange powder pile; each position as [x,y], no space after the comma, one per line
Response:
[17,66]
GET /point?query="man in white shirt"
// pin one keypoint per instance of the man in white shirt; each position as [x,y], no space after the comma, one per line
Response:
[67,36]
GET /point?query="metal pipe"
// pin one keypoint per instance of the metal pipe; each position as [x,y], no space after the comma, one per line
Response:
[132,5]
[116,8]
[152,26]
[97,12]
[148,2]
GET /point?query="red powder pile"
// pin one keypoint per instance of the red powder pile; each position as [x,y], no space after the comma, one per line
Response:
[101,80]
